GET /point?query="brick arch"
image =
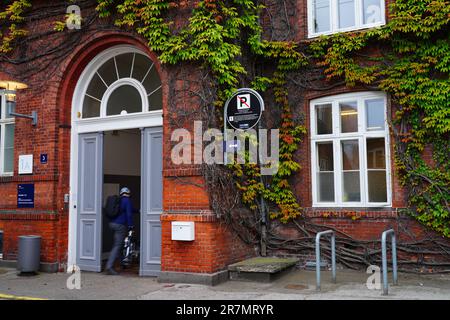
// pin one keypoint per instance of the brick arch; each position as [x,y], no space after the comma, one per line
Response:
[81,57]
[67,80]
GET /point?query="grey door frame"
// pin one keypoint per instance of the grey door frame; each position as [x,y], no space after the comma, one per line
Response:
[89,242]
[151,201]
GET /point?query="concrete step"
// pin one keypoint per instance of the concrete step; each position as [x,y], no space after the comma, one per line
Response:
[261,269]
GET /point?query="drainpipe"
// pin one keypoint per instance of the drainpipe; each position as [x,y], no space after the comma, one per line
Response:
[262,205]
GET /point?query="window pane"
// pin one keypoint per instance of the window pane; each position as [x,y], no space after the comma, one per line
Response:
[325,186]
[10,107]
[324,119]
[141,66]
[9,148]
[376,153]
[6,106]
[124,62]
[321,15]
[125,98]
[9,160]
[372,11]
[96,87]
[349,116]
[152,81]
[375,114]
[351,188]
[350,155]
[377,186]
[91,107]
[9,136]
[108,72]
[346,13]
[325,176]
[155,101]
[325,156]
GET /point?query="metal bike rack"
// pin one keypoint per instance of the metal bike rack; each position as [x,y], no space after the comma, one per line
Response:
[333,256]
[390,232]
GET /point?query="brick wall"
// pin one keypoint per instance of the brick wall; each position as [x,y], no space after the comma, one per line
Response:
[30,224]
[368,226]
[49,92]
[184,196]
[214,247]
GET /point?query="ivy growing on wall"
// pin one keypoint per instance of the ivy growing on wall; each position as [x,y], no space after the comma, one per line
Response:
[412,64]
[409,59]
[10,21]
[215,36]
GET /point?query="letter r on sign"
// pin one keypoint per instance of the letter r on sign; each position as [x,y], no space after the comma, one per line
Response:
[243,101]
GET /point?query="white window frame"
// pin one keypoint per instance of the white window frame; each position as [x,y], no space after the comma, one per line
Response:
[334,17]
[122,82]
[336,137]
[3,122]
[93,69]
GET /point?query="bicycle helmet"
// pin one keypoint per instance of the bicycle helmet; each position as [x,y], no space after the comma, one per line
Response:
[125,191]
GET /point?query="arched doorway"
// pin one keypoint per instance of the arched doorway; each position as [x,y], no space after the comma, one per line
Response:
[118,93]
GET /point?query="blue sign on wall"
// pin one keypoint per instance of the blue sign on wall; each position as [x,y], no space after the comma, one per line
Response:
[44,158]
[25,195]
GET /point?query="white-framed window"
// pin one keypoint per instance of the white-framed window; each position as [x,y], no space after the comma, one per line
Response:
[331,16]
[350,163]
[125,83]
[6,138]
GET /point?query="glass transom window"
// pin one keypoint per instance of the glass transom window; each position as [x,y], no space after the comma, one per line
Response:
[350,150]
[124,84]
[330,16]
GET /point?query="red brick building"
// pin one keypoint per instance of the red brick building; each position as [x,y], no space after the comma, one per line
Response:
[102,98]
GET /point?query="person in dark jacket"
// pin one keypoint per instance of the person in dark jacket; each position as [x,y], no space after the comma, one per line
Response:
[120,226]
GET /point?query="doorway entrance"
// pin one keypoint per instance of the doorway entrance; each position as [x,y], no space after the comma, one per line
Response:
[122,168]
[116,141]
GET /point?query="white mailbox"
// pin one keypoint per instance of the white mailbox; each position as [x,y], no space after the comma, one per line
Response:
[183,230]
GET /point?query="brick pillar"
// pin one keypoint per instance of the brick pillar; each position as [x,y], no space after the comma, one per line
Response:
[215,246]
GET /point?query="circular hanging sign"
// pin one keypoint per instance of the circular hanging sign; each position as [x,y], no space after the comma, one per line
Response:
[243,110]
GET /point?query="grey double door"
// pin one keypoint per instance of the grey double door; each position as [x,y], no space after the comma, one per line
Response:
[89,204]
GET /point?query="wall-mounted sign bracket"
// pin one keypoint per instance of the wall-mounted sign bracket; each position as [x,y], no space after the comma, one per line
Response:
[33,117]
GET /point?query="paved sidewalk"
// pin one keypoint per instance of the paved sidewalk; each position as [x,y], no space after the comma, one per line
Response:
[296,285]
